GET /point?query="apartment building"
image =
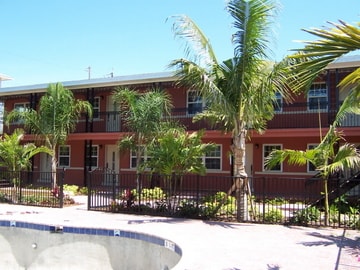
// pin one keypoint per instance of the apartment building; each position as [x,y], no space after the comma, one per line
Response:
[93,145]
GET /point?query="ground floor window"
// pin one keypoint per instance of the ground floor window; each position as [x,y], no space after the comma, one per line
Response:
[94,156]
[267,149]
[212,160]
[64,156]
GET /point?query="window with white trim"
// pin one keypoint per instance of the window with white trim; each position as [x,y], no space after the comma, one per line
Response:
[20,107]
[133,160]
[267,149]
[212,159]
[278,102]
[195,102]
[94,156]
[317,97]
[64,156]
[310,166]
[96,108]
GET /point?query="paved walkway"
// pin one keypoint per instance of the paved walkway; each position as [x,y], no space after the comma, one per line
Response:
[210,245]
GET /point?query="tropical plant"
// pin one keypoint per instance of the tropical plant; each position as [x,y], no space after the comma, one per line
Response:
[239,92]
[174,153]
[16,156]
[142,114]
[329,157]
[56,117]
[307,63]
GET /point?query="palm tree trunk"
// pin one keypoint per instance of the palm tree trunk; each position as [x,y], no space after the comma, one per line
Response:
[240,176]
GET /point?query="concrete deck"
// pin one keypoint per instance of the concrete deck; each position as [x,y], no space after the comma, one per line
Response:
[217,245]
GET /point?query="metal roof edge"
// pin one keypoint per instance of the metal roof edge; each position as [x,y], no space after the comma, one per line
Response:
[99,82]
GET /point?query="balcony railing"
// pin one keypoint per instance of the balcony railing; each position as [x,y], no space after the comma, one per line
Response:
[291,116]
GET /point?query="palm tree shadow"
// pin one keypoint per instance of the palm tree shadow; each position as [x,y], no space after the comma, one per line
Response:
[350,245]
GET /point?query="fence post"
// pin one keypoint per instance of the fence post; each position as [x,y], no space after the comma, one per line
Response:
[62,188]
[263,199]
[89,185]
[113,185]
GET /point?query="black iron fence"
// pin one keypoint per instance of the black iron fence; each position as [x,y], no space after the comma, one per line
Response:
[32,188]
[269,200]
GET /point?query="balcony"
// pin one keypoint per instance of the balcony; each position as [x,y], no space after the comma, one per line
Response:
[291,116]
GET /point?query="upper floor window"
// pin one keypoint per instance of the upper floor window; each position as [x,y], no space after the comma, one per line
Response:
[267,149]
[212,160]
[278,102]
[318,97]
[96,107]
[64,156]
[21,107]
[195,102]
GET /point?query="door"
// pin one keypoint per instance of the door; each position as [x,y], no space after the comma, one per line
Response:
[111,164]
[112,115]
[45,168]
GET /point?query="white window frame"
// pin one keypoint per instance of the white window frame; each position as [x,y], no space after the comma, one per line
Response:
[309,165]
[209,156]
[265,153]
[133,160]
[196,102]
[94,156]
[278,103]
[317,91]
[96,109]
[62,155]
[20,107]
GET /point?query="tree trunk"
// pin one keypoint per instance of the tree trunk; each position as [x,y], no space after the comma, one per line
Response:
[240,176]
[53,168]
[326,202]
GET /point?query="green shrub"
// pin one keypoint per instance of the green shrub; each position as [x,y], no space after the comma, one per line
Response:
[273,216]
[218,204]
[276,201]
[306,215]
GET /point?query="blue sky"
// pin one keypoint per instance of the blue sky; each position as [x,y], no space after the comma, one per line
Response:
[46,41]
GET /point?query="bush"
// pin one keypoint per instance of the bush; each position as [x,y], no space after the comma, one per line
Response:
[273,216]
[306,215]
[218,204]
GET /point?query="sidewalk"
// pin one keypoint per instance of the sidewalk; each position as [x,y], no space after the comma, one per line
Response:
[210,245]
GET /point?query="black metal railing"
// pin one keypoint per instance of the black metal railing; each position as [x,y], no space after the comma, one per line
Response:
[297,115]
[270,200]
[32,188]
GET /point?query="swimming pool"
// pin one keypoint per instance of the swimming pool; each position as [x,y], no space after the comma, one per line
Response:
[25,245]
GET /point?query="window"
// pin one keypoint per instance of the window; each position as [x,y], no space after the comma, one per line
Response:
[310,166]
[278,102]
[267,149]
[212,160]
[317,97]
[194,102]
[96,107]
[64,156]
[133,163]
[21,107]
[93,156]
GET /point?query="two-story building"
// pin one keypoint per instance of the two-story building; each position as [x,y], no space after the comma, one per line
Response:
[93,145]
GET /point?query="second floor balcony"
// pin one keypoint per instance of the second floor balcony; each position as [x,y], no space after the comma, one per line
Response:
[294,116]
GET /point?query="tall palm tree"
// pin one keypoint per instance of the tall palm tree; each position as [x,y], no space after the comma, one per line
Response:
[328,157]
[55,118]
[239,92]
[142,114]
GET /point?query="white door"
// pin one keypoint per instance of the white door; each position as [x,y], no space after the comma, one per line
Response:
[112,115]
[45,168]
[249,148]
[111,164]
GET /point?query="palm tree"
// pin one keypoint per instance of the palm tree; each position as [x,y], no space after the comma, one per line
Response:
[142,114]
[174,152]
[16,156]
[328,157]
[56,117]
[239,92]
[339,40]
